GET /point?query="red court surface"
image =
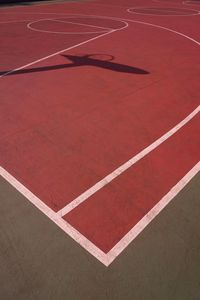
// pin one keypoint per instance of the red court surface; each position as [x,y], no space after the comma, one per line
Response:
[99,113]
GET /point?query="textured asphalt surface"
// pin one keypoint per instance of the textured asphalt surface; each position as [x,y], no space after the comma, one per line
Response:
[39,261]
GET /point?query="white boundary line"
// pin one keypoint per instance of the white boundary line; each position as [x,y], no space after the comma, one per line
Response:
[106,259]
[87,25]
[121,169]
[130,10]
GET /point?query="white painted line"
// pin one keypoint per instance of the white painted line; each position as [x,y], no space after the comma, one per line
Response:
[139,227]
[120,170]
[84,24]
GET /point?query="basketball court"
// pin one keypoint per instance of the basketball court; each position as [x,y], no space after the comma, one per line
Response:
[99,150]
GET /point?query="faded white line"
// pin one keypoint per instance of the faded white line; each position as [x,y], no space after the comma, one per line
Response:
[87,25]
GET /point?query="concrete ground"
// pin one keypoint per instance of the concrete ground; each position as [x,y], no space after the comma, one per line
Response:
[38,261]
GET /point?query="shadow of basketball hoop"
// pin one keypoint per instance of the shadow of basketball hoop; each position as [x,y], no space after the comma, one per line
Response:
[104,61]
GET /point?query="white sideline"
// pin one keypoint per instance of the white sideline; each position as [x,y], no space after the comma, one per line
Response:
[87,25]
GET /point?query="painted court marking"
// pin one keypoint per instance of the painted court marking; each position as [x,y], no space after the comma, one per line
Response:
[106,259]
[87,25]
